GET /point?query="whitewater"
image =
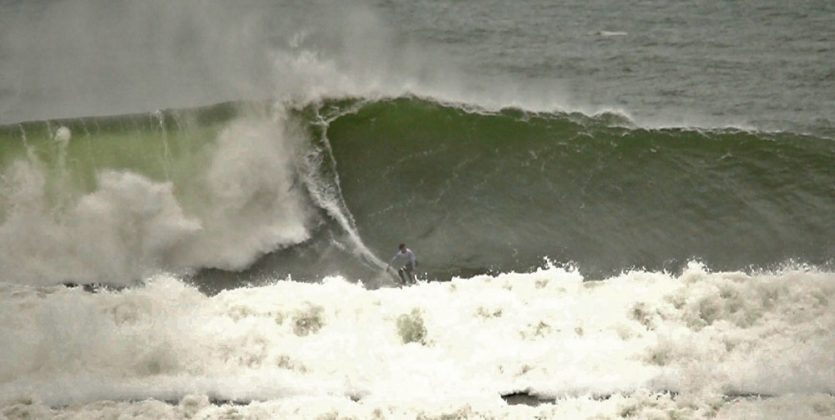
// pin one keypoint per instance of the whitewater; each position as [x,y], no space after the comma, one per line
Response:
[641,344]
[196,208]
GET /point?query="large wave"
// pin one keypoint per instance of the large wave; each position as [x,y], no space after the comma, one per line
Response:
[336,183]
[367,141]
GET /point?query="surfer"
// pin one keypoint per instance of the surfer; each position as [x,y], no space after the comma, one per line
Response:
[406,260]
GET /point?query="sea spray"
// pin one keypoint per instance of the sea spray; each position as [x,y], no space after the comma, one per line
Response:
[240,199]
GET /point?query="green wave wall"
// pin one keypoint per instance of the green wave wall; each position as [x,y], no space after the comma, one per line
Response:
[473,191]
[470,191]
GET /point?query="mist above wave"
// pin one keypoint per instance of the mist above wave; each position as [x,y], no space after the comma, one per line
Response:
[137,57]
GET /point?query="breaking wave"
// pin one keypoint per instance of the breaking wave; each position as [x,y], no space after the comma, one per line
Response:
[328,187]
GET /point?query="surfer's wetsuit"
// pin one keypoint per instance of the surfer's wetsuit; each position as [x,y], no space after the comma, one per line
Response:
[407,261]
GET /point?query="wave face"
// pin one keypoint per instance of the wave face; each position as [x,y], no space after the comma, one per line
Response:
[248,192]
[692,346]
[476,191]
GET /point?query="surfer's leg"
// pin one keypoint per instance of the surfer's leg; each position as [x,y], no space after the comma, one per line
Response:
[402,273]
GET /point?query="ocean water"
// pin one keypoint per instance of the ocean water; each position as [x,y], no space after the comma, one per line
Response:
[620,209]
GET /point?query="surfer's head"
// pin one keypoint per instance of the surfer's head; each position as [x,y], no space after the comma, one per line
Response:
[402,247]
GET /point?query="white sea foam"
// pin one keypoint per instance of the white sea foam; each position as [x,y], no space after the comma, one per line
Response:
[439,348]
[250,202]
[611,33]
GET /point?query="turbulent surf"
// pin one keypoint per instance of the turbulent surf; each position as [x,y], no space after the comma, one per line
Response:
[613,219]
